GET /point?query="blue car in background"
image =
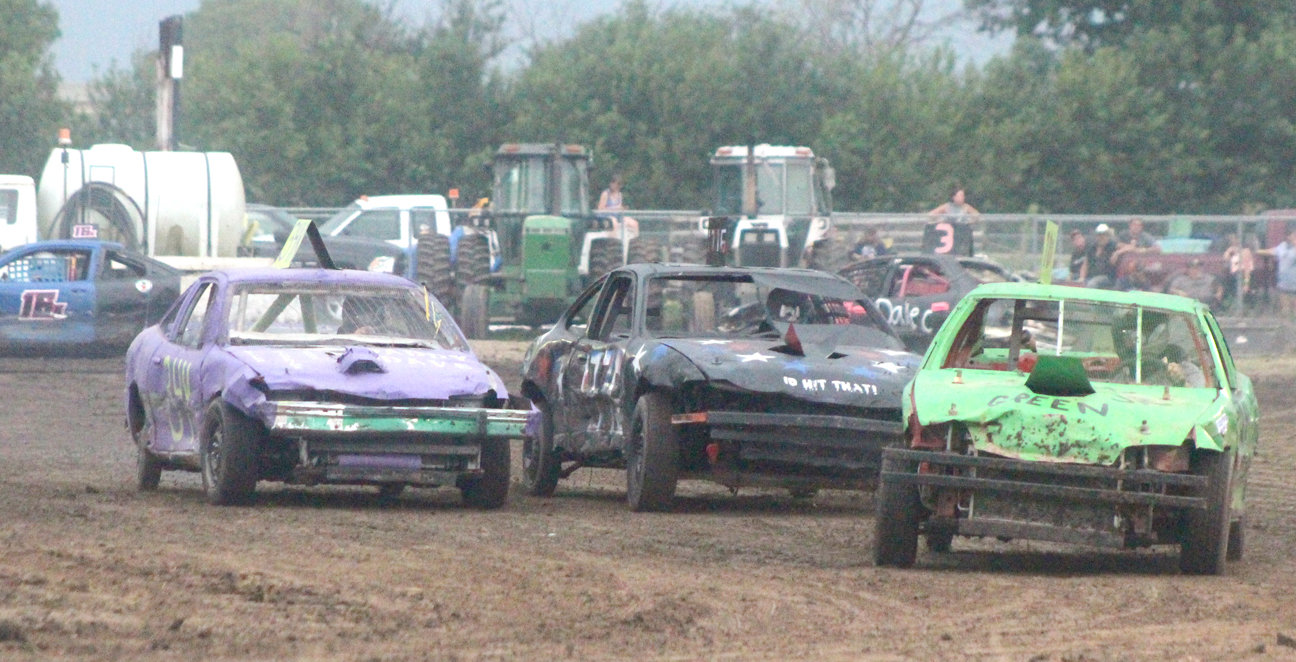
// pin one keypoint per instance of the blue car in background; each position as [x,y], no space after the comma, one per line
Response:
[80,294]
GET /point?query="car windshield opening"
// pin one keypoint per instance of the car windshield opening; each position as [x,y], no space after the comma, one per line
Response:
[305,313]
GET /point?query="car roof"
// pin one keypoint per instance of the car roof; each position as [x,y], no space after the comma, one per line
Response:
[402,201]
[1073,293]
[657,268]
[322,276]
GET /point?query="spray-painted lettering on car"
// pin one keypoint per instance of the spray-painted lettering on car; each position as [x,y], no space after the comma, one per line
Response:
[1060,404]
[905,314]
[42,305]
[177,393]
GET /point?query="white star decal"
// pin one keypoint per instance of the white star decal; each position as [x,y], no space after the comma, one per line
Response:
[756,356]
[713,342]
[639,355]
[889,366]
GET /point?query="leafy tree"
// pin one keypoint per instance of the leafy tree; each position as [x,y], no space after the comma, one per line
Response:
[123,104]
[29,104]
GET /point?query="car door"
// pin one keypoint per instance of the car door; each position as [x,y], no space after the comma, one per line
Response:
[592,374]
[123,289]
[47,297]
[174,371]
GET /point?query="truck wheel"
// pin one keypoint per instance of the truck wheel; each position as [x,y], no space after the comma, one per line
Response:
[148,468]
[651,455]
[540,464]
[474,309]
[604,256]
[644,250]
[895,540]
[228,449]
[1236,540]
[829,255]
[472,261]
[939,539]
[490,490]
[433,266]
[1205,540]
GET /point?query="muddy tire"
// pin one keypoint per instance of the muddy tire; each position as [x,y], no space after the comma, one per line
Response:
[474,309]
[433,267]
[829,255]
[148,468]
[490,490]
[390,491]
[693,250]
[472,259]
[1204,546]
[898,510]
[1236,540]
[652,455]
[540,463]
[604,256]
[644,251]
[228,454]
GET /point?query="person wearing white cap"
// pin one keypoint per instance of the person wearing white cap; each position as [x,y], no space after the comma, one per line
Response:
[1101,258]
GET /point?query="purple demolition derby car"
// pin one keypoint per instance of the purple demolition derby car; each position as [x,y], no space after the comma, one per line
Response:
[312,376]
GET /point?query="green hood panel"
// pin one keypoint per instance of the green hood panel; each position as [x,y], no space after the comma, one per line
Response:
[1006,418]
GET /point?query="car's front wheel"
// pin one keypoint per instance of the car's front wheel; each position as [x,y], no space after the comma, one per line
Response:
[652,455]
[540,464]
[1204,546]
[228,449]
[148,468]
[490,489]
[898,510]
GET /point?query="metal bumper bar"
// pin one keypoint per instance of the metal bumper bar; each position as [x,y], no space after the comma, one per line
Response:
[326,419]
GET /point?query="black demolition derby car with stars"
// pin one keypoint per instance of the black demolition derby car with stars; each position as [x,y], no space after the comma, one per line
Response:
[784,378]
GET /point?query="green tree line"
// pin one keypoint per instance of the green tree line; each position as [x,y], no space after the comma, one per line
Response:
[1102,106]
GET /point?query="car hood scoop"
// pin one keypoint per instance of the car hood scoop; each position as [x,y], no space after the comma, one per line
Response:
[359,359]
[1062,376]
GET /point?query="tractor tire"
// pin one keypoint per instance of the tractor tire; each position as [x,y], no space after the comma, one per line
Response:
[1204,546]
[829,255]
[604,256]
[490,490]
[540,463]
[692,250]
[474,310]
[228,455]
[472,261]
[652,455]
[899,507]
[644,251]
[433,267]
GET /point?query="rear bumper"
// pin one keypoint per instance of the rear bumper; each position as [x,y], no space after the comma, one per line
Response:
[1059,502]
[339,443]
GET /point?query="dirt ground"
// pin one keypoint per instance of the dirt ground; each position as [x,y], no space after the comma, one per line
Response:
[93,570]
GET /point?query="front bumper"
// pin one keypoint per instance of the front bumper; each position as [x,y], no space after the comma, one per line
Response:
[825,450]
[340,443]
[1058,502]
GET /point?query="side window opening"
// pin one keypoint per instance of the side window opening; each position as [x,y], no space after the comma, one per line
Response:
[191,329]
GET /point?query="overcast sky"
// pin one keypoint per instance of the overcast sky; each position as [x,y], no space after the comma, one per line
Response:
[99,33]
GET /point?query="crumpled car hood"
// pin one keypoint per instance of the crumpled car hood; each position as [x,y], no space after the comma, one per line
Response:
[1006,418]
[406,372]
[854,376]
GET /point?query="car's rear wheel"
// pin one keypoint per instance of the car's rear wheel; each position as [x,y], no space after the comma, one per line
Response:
[148,468]
[228,453]
[540,463]
[390,491]
[490,489]
[1236,540]
[898,510]
[652,455]
[1204,546]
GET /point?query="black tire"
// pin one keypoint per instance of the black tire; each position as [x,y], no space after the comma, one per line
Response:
[895,540]
[644,250]
[830,254]
[1203,549]
[474,310]
[390,491]
[604,256]
[472,259]
[1236,540]
[490,490]
[540,463]
[148,468]
[433,266]
[939,539]
[652,455]
[693,250]
[228,454]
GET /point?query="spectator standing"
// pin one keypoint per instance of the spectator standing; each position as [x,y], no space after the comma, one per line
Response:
[1101,259]
[1198,284]
[1286,255]
[1079,256]
[956,209]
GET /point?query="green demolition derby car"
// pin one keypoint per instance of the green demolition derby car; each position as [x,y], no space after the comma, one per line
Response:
[1112,419]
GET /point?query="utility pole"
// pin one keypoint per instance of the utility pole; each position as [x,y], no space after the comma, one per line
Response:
[170,69]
